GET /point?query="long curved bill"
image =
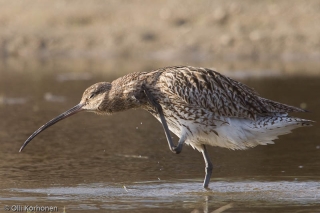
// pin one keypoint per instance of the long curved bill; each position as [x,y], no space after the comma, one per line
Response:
[64,115]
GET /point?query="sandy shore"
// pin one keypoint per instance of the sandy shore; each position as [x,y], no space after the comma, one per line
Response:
[193,31]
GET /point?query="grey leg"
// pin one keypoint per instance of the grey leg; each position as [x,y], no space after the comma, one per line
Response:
[177,149]
[157,106]
[208,168]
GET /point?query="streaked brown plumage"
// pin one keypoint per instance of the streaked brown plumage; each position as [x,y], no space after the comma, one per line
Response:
[201,106]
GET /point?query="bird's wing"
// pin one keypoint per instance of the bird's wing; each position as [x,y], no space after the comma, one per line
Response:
[215,92]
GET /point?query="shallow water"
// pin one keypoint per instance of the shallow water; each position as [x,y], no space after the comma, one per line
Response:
[122,162]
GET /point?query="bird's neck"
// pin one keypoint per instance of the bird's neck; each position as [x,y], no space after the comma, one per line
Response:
[126,93]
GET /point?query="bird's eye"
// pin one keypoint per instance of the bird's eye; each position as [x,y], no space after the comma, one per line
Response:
[92,95]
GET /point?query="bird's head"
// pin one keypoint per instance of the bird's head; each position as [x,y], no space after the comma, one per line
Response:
[94,99]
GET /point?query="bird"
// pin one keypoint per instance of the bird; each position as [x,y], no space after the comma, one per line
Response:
[199,105]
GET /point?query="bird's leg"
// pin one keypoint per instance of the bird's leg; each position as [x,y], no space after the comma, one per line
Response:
[177,149]
[157,106]
[208,168]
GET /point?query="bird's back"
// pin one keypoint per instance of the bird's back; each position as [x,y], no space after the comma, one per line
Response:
[215,92]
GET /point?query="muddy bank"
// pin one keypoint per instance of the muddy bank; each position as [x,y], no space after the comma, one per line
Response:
[166,31]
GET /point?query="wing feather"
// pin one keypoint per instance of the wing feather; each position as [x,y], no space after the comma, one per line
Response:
[213,91]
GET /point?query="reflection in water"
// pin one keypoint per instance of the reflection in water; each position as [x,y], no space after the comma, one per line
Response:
[11,100]
[53,98]
[223,208]
[73,77]
[84,162]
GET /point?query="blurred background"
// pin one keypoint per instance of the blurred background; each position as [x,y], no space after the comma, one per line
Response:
[50,51]
[278,36]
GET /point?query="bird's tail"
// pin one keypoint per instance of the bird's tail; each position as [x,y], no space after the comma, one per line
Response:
[245,133]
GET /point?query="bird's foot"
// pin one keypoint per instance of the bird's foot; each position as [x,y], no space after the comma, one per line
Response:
[176,149]
[207,189]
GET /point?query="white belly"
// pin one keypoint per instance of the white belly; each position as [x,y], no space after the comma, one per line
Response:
[233,133]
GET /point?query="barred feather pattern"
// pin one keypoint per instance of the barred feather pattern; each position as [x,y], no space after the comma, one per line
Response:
[209,108]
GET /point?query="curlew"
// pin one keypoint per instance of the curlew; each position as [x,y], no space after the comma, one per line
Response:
[201,106]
